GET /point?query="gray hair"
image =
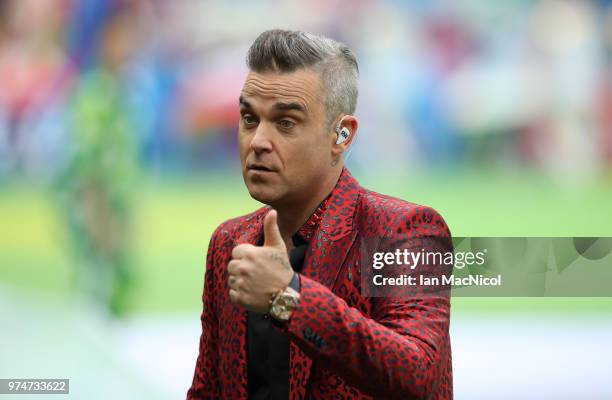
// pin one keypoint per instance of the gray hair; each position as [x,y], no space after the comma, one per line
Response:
[287,51]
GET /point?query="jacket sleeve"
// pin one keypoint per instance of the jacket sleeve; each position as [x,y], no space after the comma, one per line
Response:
[394,352]
[205,383]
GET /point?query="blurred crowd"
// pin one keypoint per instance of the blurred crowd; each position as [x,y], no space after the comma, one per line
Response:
[105,87]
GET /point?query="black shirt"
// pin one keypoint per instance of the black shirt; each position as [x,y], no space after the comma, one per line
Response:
[267,347]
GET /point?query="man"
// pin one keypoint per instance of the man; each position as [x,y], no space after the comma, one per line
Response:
[284,313]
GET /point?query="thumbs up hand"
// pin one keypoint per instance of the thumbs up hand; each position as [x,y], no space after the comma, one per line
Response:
[257,273]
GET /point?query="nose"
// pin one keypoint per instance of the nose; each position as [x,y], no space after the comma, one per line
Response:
[261,143]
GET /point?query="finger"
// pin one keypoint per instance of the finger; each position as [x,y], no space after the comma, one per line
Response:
[242,250]
[233,267]
[233,294]
[272,235]
[231,281]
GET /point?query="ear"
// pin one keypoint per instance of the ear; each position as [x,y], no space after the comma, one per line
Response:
[349,122]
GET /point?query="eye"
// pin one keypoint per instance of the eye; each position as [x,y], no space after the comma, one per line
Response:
[249,120]
[286,124]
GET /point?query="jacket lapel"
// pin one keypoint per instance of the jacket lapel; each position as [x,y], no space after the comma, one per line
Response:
[335,234]
[326,254]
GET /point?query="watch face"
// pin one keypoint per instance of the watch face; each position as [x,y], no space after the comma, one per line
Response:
[283,306]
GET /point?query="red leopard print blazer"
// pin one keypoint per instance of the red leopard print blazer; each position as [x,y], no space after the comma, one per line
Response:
[343,345]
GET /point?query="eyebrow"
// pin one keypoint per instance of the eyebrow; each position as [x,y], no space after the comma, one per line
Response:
[243,103]
[280,106]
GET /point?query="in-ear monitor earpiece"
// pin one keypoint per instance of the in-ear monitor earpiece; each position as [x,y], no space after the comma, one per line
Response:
[343,135]
[343,132]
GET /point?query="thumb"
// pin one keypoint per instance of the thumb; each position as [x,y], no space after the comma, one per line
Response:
[272,236]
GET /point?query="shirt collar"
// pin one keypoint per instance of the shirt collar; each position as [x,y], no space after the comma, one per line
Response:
[308,229]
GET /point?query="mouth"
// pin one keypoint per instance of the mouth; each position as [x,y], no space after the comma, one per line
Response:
[259,168]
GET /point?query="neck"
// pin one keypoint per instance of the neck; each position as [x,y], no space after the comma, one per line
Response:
[292,216]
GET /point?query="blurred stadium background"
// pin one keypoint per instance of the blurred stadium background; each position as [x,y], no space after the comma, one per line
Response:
[118,159]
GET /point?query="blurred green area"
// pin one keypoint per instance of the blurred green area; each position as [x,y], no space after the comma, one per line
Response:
[174,219]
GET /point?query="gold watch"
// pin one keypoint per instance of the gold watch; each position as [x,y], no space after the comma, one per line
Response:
[283,303]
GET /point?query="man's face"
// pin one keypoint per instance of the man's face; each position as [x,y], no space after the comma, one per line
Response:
[285,145]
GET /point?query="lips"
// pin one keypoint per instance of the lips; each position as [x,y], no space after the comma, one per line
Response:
[260,167]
